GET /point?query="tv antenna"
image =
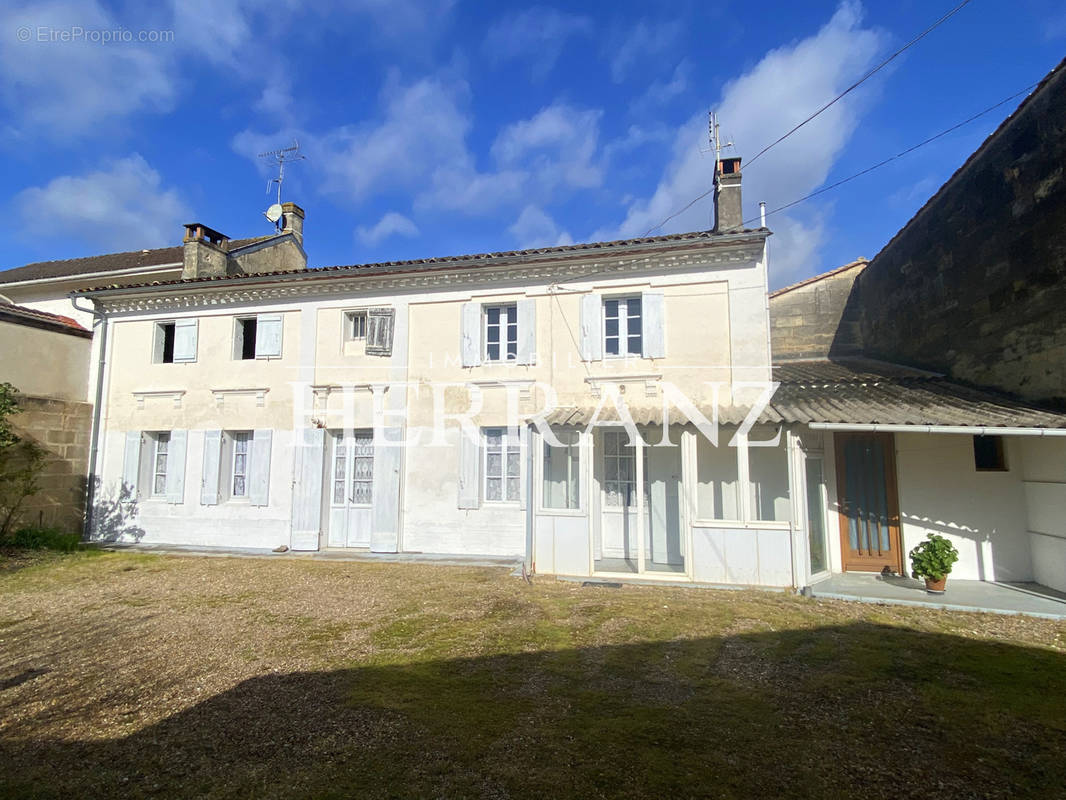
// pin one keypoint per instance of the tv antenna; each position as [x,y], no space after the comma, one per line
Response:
[282,157]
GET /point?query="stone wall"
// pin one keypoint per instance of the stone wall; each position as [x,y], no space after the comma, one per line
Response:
[817,318]
[975,284]
[61,427]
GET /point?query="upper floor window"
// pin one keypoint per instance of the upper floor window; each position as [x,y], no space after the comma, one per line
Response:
[501,332]
[988,454]
[174,342]
[257,337]
[622,327]
[354,326]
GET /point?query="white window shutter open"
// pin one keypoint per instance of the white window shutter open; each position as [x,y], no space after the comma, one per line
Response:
[469,474]
[653,318]
[527,332]
[470,335]
[379,331]
[212,462]
[268,336]
[259,468]
[591,327]
[131,466]
[307,488]
[185,331]
[388,470]
[158,338]
[176,467]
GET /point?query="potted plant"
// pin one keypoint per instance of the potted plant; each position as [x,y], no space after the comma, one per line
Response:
[933,560]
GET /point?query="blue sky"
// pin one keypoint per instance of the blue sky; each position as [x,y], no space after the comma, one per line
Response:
[438,127]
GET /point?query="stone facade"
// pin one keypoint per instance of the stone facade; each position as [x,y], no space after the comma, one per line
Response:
[975,284]
[61,427]
[817,318]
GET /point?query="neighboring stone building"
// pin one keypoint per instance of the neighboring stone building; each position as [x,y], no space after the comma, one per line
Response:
[975,284]
[817,318]
[46,357]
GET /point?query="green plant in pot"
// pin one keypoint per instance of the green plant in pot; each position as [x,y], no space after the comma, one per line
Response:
[933,560]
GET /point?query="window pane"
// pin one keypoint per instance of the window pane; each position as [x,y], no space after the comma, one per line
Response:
[493,352]
[633,326]
[717,478]
[634,345]
[494,465]
[493,489]
[512,315]
[611,327]
[160,486]
[561,472]
[610,308]
[238,486]
[338,492]
[492,315]
[161,462]
[513,489]
[611,346]
[768,471]
[634,306]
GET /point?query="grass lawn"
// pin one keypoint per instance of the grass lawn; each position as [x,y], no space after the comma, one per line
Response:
[154,676]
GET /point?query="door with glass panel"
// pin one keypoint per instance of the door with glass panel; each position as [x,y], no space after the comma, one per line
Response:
[351,489]
[867,501]
[616,539]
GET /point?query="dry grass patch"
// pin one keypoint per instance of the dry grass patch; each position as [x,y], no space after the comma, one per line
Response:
[150,676]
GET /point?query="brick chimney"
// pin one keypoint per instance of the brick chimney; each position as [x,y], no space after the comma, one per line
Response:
[728,211]
[205,252]
[292,221]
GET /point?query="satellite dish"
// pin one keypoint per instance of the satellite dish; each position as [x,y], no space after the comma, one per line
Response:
[273,213]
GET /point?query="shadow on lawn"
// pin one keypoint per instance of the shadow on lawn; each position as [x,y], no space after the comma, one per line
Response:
[859,710]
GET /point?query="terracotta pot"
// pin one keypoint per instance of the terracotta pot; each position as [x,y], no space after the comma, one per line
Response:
[936,587]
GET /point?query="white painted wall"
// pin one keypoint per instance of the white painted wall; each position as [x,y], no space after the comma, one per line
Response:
[1044,473]
[749,557]
[982,513]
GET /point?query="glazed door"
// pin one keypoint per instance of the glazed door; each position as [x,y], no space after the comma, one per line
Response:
[351,490]
[867,502]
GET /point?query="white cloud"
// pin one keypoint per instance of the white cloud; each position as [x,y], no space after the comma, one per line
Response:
[558,145]
[643,41]
[537,35]
[121,207]
[535,228]
[74,87]
[778,92]
[392,224]
[659,93]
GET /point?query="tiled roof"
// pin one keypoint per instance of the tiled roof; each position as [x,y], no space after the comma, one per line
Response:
[109,262]
[20,315]
[447,262]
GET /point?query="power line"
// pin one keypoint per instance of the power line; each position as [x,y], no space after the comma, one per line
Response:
[864,78]
[900,154]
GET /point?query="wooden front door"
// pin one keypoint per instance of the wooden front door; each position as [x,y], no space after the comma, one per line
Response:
[868,505]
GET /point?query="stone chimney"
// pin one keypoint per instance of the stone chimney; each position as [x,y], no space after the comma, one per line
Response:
[292,221]
[728,211]
[206,252]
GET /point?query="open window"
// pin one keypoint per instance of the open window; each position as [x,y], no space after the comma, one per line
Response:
[355,326]
[257,337]
[989,455]
[174,342]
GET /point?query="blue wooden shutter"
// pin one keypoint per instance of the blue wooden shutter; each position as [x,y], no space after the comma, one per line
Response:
[470,334]
[176,467]
[185,335]
[268,336]
[259,468]
[591,327]
[308,460]
[131,466]
[527,332]
[653,319]
[212,461]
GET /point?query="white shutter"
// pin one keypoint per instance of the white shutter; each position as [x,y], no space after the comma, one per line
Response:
[471,335]
[131,466]
[379,327]
[653,320]
[268,336]
[388,466]
[259,468]
[176,467]
[591,327]
[185,340]
[527,332]
[158,338]
[308,457]
[212,461]
[469,460]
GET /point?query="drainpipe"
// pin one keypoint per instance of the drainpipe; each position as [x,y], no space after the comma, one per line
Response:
[94,434]
[530,502]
